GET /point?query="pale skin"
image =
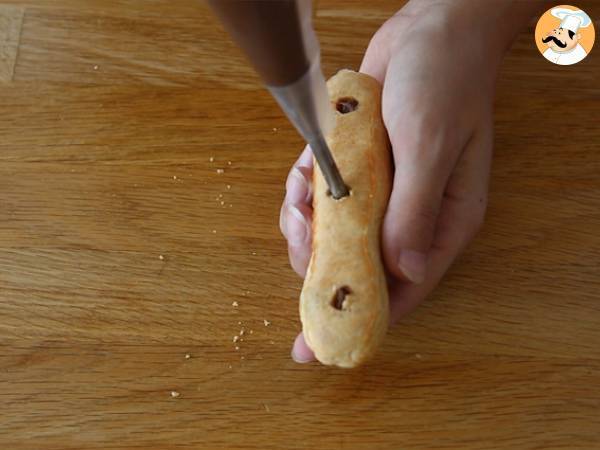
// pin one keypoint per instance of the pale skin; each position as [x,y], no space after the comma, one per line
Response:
[437,62]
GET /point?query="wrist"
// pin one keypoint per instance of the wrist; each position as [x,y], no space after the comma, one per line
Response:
[495,22]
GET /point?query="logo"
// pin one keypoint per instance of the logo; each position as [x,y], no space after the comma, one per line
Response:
[565,35]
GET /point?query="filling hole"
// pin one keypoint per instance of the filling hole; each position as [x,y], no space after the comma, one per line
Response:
[339,297]
[329,194]
[346,105]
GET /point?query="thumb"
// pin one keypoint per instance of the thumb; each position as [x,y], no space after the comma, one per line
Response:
[409,226]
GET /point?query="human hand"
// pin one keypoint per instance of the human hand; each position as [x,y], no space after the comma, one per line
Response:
[438,77]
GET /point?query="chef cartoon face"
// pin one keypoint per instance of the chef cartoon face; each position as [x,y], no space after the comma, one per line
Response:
[561,40]
[564,35]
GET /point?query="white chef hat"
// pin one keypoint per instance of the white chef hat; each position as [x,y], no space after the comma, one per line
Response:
[571,19]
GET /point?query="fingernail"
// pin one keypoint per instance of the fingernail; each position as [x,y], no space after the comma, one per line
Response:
[296,227]
[300,351]
[282,225]
[299,358]
[297,187]
[413,265]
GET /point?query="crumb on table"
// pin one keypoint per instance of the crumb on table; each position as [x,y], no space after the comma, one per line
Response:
[175,394]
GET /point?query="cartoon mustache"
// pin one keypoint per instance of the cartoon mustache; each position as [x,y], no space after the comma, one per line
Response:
[556,41]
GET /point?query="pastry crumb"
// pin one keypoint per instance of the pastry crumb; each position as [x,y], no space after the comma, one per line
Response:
[266,322]
[175,394]
[211,159]
[228,163]
[188,356]
[254,253]
[242,357]
[161,257]
[220,171]
[174,177]
[230,366]
[235,304]
[266,407]
[235,339]
[228,186]
[418,356]
[237,347]
[214,231]
[251,331]
[96,67]
[242,331]
[222,202]
[274,129]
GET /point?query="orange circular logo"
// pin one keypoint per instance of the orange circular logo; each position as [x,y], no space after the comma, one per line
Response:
[565,35]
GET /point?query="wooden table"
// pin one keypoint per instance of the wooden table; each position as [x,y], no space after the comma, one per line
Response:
[123,249]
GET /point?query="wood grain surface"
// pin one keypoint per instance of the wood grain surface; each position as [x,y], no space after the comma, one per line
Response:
[142,167]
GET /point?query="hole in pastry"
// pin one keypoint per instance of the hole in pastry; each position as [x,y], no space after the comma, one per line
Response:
[346,105]
[339,298]
[328,193]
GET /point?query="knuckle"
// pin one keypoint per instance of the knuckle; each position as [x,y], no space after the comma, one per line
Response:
[382,38]
[427,214]
[379,38]
[422,224]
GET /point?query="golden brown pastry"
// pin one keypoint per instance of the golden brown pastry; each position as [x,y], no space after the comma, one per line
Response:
[344,300]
